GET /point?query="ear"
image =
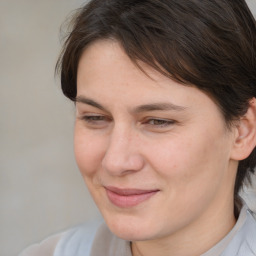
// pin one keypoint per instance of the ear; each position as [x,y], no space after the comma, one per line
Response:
[245,134]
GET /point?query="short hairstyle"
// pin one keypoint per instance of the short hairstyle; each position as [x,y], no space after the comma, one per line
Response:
[208,44]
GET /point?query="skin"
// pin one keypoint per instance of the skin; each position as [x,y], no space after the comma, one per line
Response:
[184,152]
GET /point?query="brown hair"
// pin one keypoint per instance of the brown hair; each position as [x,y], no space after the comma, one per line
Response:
[207,44]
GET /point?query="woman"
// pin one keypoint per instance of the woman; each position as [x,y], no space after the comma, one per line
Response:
[165,128]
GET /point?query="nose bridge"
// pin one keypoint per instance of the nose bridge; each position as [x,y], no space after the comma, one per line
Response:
[122,155]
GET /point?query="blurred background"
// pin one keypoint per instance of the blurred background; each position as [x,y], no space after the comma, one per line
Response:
[41,190]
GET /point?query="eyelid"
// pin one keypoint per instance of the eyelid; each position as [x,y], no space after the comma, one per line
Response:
[100,120]
[93,118]
[163,122]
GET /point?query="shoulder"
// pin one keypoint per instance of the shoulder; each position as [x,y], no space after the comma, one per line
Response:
[244,242]
[74,241]
[78,240]
[248,233]
[46,247]
[92,240]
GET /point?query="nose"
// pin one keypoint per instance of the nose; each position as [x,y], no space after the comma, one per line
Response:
[122,155]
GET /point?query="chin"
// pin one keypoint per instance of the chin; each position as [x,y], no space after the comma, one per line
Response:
[130,228]
[129,234]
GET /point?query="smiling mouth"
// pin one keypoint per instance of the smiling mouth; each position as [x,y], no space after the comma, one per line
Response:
[126,198]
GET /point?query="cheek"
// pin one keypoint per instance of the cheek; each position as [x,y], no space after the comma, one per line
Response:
[88,151]
[171,156]
[192,170]
[190,160]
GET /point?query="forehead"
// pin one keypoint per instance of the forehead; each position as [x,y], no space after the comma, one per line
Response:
[105,62]
[106,74]
[107,56]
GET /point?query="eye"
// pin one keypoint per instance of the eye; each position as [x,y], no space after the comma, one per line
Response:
[94,120]
[156,122]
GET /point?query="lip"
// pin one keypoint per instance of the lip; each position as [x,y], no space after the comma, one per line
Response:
[126,198]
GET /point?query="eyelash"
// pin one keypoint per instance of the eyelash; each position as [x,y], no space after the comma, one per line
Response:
[153,122]
[94,118]
[159,122]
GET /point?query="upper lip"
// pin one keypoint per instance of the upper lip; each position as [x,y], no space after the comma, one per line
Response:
[130,191]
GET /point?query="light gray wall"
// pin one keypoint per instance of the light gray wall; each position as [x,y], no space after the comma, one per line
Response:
[40,186]
[252,5]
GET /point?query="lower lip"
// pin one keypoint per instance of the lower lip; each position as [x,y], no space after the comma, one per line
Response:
[127,201]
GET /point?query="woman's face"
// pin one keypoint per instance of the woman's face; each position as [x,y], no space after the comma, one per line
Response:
[154,154]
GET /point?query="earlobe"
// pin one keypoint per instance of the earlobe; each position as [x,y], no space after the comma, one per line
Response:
[245,139]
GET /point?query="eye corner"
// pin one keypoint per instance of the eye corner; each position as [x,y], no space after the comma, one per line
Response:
[93,120]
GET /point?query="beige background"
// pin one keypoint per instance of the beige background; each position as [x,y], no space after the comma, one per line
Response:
[40,186]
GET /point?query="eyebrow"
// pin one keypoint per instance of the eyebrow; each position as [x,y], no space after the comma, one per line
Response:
[159,106]
[90,102]
[139,109]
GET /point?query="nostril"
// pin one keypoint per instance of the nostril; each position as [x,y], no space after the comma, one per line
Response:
[122,164]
